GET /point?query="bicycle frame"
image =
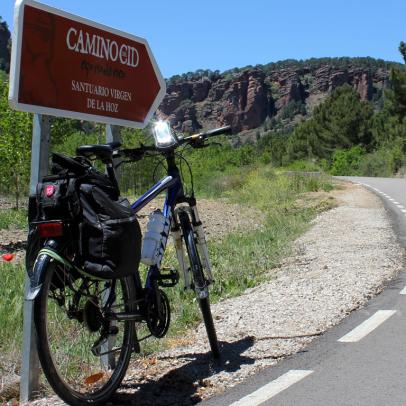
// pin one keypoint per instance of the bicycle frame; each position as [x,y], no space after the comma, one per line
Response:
[172,183]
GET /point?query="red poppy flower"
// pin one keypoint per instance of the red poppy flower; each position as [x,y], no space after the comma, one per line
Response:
[8,257]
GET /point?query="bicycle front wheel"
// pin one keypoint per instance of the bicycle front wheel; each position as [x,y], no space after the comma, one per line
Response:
[200,283]
[69,319]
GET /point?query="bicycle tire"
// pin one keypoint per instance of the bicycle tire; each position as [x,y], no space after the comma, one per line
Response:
[198,277]
[76,392]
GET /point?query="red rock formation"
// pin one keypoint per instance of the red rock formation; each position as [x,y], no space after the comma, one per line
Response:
[245,99]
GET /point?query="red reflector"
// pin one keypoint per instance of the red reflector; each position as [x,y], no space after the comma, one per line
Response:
[54,229]
[50,190]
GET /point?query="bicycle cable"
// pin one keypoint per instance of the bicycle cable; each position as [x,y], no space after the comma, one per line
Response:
[182,158]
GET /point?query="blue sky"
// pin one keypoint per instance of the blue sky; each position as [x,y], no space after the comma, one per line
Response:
[189,35]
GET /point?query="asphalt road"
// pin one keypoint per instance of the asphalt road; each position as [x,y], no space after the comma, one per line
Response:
[362,361]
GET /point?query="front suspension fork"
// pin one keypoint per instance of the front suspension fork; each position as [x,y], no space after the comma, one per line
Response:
[200,243]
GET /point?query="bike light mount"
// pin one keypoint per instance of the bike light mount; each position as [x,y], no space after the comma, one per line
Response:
[164,137]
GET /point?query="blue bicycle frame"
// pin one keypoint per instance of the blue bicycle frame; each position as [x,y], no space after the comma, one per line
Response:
[173,185]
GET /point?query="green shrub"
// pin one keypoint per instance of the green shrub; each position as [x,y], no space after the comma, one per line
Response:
[303,165]
[383,162]
[347,162]
[293,108]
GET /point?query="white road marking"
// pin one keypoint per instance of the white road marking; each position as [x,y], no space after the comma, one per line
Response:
[403,291]
[400,206]
[272,388]
[367,326]
[403,210]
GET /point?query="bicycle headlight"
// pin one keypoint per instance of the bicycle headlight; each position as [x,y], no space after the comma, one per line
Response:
[163,135]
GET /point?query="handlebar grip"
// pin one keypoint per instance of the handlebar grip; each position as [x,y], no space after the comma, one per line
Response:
[133,153]
[217,131]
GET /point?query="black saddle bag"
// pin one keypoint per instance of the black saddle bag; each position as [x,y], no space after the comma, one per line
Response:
[103,229]
[110,236]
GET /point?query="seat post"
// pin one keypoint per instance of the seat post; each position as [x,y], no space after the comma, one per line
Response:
[112,174]
[113,135]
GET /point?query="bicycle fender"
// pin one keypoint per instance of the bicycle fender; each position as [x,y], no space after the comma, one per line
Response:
[37,275]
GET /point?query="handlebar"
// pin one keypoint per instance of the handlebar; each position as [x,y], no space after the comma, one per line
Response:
[195,140]
[134,153]
[211,133]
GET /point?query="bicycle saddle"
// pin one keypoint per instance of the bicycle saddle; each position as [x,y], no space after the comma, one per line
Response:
[103,152]
[66,162]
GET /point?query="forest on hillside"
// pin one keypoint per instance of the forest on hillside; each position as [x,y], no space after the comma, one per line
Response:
[366,63]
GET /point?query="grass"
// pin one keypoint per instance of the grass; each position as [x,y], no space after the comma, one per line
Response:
[13,218]
[11,293]
[244,260]
[239,260]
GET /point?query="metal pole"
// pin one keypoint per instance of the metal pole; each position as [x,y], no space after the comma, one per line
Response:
[108,360]
[29,383]
[113,134]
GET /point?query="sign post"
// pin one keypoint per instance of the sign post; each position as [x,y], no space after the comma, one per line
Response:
[39,168]
[67,66]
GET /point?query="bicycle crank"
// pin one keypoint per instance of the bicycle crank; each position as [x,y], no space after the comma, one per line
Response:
[158,317]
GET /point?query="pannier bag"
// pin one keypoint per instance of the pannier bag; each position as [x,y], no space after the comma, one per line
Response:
[102,226]
[110,236]
[57,198]
[33,239]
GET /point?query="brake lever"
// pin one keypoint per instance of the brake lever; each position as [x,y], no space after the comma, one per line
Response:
[123,161]
[203,145]
[199,145]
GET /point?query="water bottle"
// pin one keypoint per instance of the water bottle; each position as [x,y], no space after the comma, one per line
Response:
[155,238]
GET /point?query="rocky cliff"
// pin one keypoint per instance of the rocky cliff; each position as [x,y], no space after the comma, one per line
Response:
[267,95]
[5,46]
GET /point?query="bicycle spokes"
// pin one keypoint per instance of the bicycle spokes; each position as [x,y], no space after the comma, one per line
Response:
[83,343]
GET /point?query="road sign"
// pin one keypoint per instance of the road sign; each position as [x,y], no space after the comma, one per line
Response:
[67,66]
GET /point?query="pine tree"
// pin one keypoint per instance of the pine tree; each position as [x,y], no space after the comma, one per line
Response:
[397,95]
[390,124]
[342,121]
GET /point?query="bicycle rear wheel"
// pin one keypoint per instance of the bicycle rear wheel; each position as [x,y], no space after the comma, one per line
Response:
[69,321]
[200,283]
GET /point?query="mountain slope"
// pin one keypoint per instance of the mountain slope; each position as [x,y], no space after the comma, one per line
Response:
[267,96]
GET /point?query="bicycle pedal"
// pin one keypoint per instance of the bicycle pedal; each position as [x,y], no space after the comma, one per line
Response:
[113,331]
[168,280]
[97,346]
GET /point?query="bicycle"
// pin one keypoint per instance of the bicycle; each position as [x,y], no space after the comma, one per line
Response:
[86,327]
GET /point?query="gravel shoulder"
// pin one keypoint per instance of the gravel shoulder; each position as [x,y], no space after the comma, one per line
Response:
[343,260]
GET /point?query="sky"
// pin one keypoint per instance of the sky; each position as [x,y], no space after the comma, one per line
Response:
[222,34]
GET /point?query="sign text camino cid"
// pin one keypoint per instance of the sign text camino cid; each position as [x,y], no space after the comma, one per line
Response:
[67,66]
